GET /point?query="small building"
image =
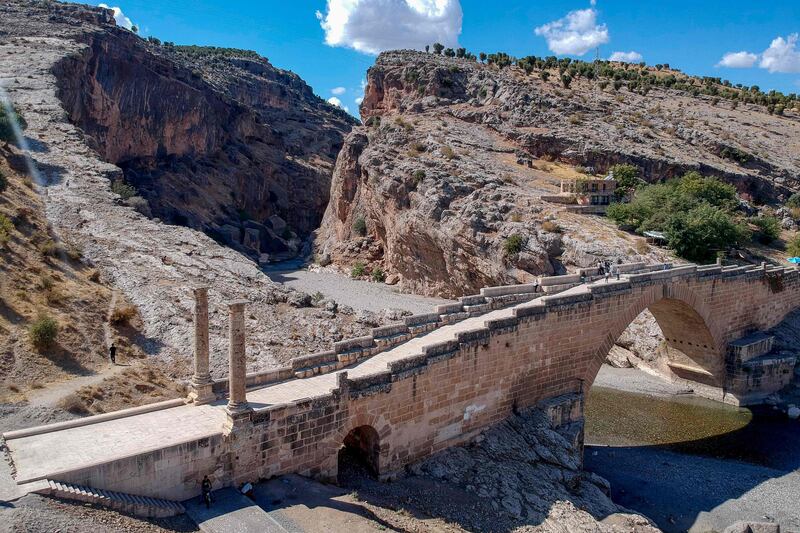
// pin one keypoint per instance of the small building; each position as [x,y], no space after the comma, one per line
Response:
[590,191]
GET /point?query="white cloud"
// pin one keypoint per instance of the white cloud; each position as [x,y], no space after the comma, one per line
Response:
[626,57]
[338,103]
[575,34]
[338,91]
[782,55]
[372,26]
[119,16]
[741,59]
[359,100]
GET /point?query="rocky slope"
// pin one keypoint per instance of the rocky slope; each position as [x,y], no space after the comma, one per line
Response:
[152,264]
[215,139]
[455,155]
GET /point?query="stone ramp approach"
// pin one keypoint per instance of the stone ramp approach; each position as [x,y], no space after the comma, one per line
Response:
[129,503]
[449,375]
[231,512]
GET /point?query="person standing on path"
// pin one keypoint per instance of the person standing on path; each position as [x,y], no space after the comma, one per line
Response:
[112,353]
[205,486]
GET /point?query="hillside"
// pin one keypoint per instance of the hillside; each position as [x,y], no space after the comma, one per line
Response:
[96,120]
[455,155]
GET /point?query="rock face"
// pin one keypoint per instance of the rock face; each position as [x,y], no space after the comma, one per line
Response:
[455,156]
[215,139]
[154,264]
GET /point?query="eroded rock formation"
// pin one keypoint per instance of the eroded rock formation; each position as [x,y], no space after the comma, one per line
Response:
[215,139]
[441,188]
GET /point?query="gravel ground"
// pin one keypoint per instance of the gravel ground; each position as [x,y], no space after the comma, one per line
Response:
[696,494]
[635,380]
[358,294]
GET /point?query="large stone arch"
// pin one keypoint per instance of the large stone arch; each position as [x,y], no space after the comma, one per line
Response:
[688,326]
[331,447]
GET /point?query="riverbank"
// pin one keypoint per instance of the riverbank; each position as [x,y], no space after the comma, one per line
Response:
[688,463]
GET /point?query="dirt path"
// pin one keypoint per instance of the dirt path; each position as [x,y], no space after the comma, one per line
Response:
[53,393]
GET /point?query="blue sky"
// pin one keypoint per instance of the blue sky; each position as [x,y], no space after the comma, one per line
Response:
[694,35]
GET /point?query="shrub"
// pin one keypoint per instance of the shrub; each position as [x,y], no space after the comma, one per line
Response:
[43,332]
[122,315]
[793,201]
[140,205]
[378,275]
[360,226]
[769,229]
[416,148]
[74,404]
[513,244]
[358,270]
[793,246]
[3,181]
[418,176]
[6,227]
[545,75]
[448,152]
[6,121]
[575,119]
[317,297]
[48,248]
[551,227]
[124,190]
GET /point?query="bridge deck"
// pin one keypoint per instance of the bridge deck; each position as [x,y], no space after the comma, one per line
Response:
[47,454]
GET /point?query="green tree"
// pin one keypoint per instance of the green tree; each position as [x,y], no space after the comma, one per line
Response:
[43,332]
[437,48]
[627,178]
[513,244]
[545,75]
[3,182]
[449,52]
[483,57]
[566,79]
[793,201]
[793,246]
[700,233]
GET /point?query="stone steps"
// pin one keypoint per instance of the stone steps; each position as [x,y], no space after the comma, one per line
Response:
[144,506]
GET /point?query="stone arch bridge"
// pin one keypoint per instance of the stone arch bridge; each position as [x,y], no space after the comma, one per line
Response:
[412,389]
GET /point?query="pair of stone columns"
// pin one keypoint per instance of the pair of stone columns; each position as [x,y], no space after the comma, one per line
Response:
[201,380]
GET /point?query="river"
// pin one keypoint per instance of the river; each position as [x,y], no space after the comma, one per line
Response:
[691,464]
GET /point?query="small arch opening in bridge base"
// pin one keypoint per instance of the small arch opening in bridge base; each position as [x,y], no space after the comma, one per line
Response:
[359,455]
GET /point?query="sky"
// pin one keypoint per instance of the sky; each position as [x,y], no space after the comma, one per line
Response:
[332,43]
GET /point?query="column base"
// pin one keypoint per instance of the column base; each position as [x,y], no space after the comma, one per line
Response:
[200,392]
[238,416]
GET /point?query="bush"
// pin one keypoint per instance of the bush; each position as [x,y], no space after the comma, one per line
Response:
[122,315]
[140,205]
[3,181]
[769,229]
[6,128]
[448,152]
[124,190]
[43,332]
[793,246]
[48,248]
[360,226]
[513,244]
[418,176]
[378,275]
[793,201]
[6,227]
[358,270]
[551,227]
[317,297]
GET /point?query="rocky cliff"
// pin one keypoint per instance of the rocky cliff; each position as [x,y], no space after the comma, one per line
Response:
[61,65]
[214,139]
[442,187]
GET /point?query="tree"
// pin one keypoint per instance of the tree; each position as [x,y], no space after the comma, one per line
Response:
[627,178]
[427,48]
[437,48]
[483,57]
[545,75]
[566,79]
[449,52]
[793,246]
[793,201]
[135,28]
[461,52]
[3,181]
[699,233]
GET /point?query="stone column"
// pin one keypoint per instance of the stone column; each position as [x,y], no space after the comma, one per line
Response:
[201,380]
[237,402]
